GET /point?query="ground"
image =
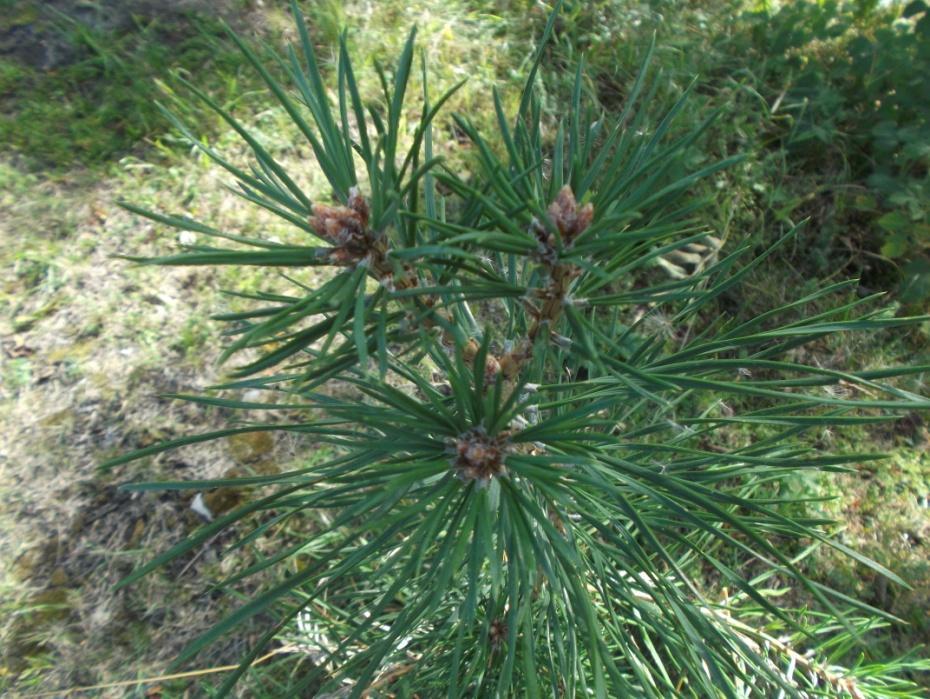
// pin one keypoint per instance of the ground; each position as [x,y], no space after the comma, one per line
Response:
[91,342]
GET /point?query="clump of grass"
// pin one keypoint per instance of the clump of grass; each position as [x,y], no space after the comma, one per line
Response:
[97,103]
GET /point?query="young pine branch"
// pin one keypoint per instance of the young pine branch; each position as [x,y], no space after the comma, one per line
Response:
[533,442]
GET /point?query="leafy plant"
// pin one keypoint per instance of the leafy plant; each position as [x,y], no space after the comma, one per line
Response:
[826,99]
[853,77]
[536,487]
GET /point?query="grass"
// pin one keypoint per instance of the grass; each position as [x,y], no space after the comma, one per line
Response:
[819,97]
[880,507]
[92,96]
[97,102]
[89,342]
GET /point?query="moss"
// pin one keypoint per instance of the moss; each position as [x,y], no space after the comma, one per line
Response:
[98,101]
[74,352]
[29,634]
[251,447]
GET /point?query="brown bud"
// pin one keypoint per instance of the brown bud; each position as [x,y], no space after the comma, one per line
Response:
[567,217]
[491,369]
[346,228]
[497,633]
[478,456]
[359,205]
[510,366]
[333,222]
[585,216]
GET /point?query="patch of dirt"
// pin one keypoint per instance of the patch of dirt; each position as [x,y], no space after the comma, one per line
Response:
[83,381]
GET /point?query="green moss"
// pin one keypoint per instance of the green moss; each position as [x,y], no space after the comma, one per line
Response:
[101,102]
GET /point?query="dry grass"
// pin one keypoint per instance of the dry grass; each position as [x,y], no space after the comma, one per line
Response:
[90,342]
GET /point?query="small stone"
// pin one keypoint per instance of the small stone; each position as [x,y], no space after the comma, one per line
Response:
[200,508]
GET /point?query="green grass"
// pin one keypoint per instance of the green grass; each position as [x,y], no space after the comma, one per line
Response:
[99,103]
[825,100]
